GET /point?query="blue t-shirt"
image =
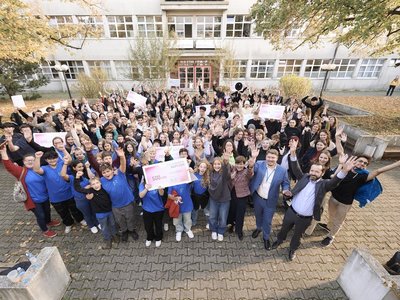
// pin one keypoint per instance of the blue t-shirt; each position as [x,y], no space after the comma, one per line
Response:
[198,189]
[84,182]
[36,187]
[59,190]
[118,189]
[183,191]
[152,202]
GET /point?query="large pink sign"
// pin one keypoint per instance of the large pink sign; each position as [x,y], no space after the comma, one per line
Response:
[167,173]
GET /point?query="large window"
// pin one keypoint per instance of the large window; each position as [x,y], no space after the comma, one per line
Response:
[95,24]
[289,66]
[235,69]
[313,68]
[238,26]
[125,71]
[60,21]
[208,27]
[181,26]
[370,68]
[344,68]
[103,65]
[150,26]
[120,26]
[75,67]
[48,70]
[262,68]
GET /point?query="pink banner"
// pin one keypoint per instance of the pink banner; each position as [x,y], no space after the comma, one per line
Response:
[167,173]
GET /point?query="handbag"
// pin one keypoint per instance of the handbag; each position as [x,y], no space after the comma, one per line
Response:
[172,206]
[19,193]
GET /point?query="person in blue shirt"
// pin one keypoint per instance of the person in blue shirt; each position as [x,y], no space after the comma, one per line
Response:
[60,193]
[181,194]
[121,196]
[200,195]
[81,202]
[153,211]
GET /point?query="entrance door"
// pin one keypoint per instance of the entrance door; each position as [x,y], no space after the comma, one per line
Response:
[193,73]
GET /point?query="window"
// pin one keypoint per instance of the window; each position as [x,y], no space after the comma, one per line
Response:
[105,66]
[75,67]
[181,26]
[313,68]
[150,26]
[236,69]
[289,66]
[61,22]
[370,68]
[238,26]
[120,26]
[48,70]
[344,69]
[262,68]
[208,27]
[94,24]
[125,70]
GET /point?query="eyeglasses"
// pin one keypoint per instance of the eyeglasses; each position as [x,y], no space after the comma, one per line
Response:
[364,162]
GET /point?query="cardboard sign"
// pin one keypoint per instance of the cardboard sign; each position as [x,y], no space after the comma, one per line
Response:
[271,111]
[174,83]
[46,139]
[139,100]
[18,101]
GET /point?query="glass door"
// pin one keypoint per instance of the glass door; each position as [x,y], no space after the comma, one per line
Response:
[193,73]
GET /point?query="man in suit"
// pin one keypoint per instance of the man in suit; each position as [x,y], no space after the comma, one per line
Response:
[268,178]
[307,199]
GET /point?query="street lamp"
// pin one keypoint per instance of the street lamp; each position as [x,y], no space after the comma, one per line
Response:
[64,69]
[328,68]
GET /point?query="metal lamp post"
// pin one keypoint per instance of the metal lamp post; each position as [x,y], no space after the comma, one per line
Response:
[64,69]
[328,68]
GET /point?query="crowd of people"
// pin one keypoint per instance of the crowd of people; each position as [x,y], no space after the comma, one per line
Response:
[94,176]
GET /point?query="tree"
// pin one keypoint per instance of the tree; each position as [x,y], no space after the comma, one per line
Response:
[27,34]
[293,85]
[17,76]
[90,86]
[367,25]
[152,60]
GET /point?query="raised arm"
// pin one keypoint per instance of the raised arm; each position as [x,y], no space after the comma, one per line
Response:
[64,168]
[36,164]
[122,159]
[294,163]
[375,173]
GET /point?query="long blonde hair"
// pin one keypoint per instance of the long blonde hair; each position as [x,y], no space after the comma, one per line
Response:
[205,181]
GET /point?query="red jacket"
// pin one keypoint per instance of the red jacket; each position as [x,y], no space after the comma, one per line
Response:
[16,171]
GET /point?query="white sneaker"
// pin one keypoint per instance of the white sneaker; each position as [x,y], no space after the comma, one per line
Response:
[141,213]
[190,234]
[148,243]
[214,235]
[158,244]
[99,226]
[166,227]
[83,223]
[68,229]
[94,229]
[178,236]
[208,226]
[220,237]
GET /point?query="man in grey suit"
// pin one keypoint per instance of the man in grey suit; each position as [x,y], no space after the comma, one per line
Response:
[307,198]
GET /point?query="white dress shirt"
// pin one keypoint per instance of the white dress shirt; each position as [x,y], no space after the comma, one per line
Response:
[263,189]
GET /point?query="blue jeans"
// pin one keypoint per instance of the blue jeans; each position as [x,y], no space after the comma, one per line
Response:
[42,213]
[263,215]
[108,227]
[88,213]
[218,216]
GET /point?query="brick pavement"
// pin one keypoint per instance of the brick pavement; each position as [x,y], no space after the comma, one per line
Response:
[202,268]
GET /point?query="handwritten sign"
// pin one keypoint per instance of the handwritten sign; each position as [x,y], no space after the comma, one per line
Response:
[271,111]
[18,101]
[139,100]
[46,139]
[167,174]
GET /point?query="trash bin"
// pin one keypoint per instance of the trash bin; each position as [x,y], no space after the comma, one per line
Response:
[369,150]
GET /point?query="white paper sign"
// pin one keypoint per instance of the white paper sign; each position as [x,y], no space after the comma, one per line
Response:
[208,109]
[271,111]
[139,100]
[18,101]
[246,118]
[173,150]
[46,139]
[174,82]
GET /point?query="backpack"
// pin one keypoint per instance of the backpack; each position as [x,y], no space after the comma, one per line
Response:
[19,193]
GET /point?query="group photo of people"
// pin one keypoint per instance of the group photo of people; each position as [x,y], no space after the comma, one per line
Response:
[241,160]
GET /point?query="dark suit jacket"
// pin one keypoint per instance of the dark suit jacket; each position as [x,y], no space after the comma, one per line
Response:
[322,187]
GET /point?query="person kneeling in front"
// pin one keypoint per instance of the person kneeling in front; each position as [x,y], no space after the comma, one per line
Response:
[307,198]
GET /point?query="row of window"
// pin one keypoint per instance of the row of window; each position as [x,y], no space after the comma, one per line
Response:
[151,26]
[345,68]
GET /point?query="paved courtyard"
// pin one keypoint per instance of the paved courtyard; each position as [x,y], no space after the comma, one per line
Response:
[202,268]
